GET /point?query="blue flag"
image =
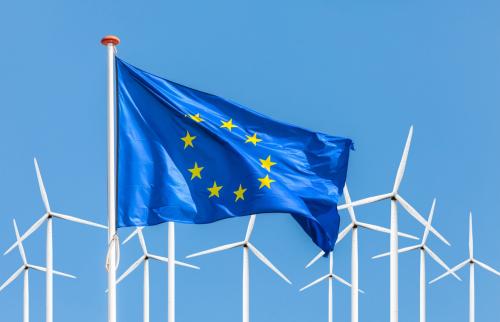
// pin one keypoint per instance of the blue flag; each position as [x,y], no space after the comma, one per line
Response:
[192,157]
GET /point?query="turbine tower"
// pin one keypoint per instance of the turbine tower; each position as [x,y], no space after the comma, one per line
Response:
[472,261]
[424,249]
[144,259]
[246,245]
[353,228]
[25,267]
[47,217]
[330,276]
[396,198]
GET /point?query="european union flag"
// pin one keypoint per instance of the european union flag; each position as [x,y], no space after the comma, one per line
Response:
[192,157]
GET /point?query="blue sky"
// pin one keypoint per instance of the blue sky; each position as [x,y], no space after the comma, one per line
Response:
[362,69]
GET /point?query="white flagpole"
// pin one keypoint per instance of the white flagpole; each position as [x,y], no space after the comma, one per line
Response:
[110,42]
[394,263]
[49,276]
[171,271]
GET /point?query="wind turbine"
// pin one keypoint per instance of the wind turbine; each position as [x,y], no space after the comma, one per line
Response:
[47,216]
[424,249]
[472,261]
[330,276]
[146,256]
[353,228]
[396,198]
[246,245]
[25,268]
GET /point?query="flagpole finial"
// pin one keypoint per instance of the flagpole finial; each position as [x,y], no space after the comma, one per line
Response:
[110,39]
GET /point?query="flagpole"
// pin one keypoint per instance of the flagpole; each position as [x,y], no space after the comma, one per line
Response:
[171,271]
[110,42]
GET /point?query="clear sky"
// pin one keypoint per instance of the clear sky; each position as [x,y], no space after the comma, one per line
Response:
[362,69]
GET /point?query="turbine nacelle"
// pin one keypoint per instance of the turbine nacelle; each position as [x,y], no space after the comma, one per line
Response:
[245,244]
[471,260]
[49,214]
[146,255]
[330,275]
[26,266]
[394,194]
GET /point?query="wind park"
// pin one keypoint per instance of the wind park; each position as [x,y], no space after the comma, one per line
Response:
[246,246]
[392,199]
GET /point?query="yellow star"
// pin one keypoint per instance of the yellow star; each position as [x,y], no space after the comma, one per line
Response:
[253,139]
[196,117]
[239,193]
[228,125]
[195,171]
[214,190]
[266,181]
[267,163]
[188,140]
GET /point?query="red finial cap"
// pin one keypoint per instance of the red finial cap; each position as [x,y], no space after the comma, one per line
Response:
[110,39]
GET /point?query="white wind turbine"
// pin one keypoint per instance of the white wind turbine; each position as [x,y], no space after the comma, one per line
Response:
[246,245]
[25,268]
[330,276]
[146,256]
[424,249]
[353,228]
[47,216]
[396,198]
[472,261]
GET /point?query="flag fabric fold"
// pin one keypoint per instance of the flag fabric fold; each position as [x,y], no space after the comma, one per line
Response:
[192,157]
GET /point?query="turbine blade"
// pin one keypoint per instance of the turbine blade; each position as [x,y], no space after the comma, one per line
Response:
[344,232]
[43,192]
[43,269]
[64,274]
[429,223]
[165,260]
[419,218]
[487,267]
[129,237]
[365,201]
[384,230]
[402,164]
[186,265]
[12,277]
[454,269]
[142,242]
[267,262]
[348,200]
[319,280]
[33,227]
[217,249]
[343,281]
[251,224]
[20,244]
[131,269]
[438,260]
[315,259]
[78,220]
[471,238]
[402,250]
